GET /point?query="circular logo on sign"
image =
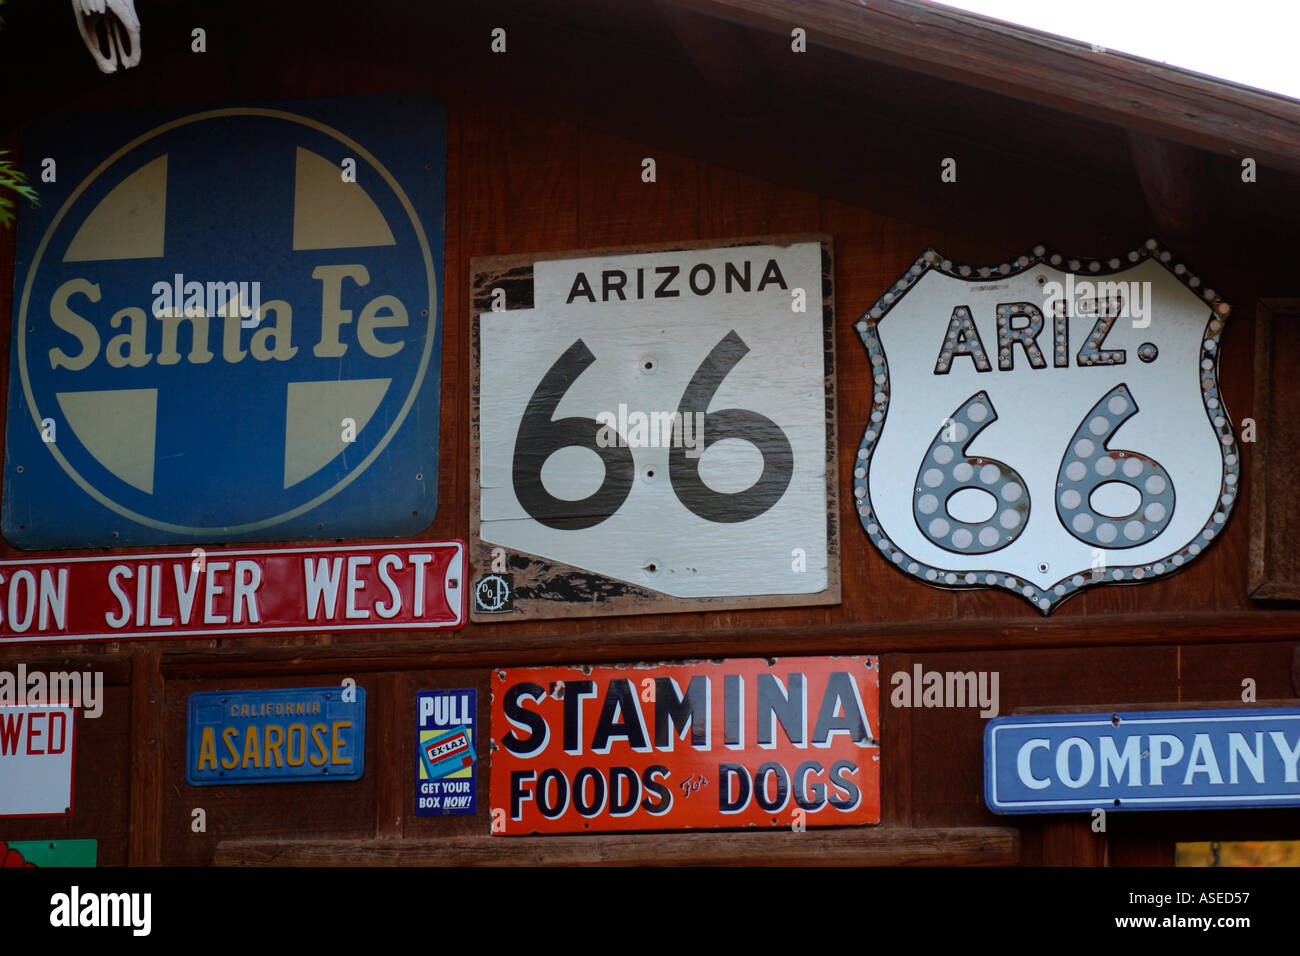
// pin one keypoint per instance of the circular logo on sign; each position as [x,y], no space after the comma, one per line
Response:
[227,322]
[492,593]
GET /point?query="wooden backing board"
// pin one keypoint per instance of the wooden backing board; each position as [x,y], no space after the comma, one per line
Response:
[580,592]
[1274,523]
[877,846]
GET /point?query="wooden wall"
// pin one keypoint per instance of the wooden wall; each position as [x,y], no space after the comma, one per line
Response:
[522,179]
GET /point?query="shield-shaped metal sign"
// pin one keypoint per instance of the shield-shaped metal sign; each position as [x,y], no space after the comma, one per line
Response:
[1045,424]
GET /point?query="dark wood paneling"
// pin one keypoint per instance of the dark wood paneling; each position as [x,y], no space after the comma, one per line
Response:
[1274,559]
[870,846]
[146,758]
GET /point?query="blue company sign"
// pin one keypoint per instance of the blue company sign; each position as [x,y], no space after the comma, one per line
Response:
[1148,760]
[283,735]
[227,325]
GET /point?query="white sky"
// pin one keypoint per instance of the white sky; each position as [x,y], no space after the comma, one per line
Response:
[1252,42]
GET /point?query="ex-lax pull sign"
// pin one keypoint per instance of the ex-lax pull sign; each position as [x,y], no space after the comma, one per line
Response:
[226,326]
[1045,425]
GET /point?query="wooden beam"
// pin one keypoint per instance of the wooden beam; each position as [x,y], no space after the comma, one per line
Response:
[1175,179]
[1072,843]
[1274,517]
[1147,706]
[391,761]
[498,646]
[724,57]
[1064,74]
[116,670]
[864,846]
[145,845]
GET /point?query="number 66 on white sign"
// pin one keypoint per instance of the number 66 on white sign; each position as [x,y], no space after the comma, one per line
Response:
[655,427]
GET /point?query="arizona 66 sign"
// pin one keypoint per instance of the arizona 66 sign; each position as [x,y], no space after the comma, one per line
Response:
[653,430]
[1047,424]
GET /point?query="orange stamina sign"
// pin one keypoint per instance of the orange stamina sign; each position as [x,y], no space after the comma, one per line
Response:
[737,743]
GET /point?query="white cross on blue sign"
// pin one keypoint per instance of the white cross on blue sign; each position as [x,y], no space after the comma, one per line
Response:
[227,326]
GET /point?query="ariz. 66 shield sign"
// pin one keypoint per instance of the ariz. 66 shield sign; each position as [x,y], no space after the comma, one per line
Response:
[1047,424]
[653,430]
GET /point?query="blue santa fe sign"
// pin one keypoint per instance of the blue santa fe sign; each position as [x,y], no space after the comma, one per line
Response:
[1152,760]
[226,325]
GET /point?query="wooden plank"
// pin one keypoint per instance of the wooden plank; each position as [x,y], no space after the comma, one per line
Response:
[104,784]
[1154,705]
[1072,843]
[393,798]
[725,57]
[1174,178]
[1216,671]
[116,670]
[899,747]
[146,757]
[539,643]
[866,846]
[1015,61]
[733,204]
[616,207]
[1129,842]
[1274,516]
[518,182]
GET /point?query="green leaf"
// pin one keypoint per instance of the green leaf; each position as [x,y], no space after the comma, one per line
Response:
[14,180]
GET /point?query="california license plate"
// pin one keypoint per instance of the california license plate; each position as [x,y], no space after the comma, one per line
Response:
[278,735]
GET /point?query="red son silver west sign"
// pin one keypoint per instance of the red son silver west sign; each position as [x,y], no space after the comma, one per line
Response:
[740,743]
[259,591]
[1045,425]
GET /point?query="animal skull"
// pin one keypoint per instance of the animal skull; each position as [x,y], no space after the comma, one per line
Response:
[120,39]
